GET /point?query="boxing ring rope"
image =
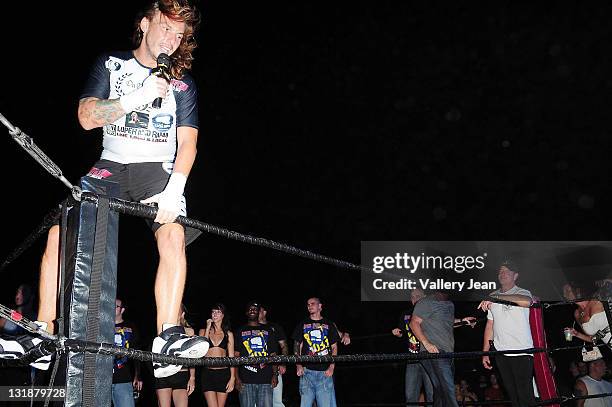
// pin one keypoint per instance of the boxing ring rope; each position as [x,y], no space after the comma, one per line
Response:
[49,220]
[145,356]
[64,344]
[58,344]
[149,212]
[27,143]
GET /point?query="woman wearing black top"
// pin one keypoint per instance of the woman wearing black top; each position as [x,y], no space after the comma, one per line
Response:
[218,382]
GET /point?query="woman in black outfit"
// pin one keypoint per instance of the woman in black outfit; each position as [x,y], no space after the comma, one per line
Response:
[218,382]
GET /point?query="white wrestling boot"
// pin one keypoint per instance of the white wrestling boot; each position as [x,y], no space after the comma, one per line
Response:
[15,347]
[174,342]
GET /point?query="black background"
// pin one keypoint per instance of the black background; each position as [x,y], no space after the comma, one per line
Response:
[323,125]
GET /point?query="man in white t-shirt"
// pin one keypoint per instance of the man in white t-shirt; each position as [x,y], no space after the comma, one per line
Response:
[508,328]
[593,383]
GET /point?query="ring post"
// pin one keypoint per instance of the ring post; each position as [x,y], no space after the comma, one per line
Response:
[90,261]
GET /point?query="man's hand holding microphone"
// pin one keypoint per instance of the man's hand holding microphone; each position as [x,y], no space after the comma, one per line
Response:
[153,89]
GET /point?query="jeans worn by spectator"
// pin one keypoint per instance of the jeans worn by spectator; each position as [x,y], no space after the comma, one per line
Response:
[441,373]
[123,394]
[315,386]
[252,395]
[416,377]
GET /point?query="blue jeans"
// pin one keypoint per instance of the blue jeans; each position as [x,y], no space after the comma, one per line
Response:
[252,395]
[441,373]
[416,377]
[277,393]
[123,395]
[315,386]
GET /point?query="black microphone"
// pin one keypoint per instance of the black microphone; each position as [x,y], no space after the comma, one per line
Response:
[162,71]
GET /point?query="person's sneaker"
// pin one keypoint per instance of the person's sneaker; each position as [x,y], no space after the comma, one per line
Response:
[16,347]
[174,342]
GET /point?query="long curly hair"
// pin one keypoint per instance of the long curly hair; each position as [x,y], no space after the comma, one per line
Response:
[177,10]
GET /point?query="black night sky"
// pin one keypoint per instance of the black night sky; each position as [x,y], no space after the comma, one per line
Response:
[326,124]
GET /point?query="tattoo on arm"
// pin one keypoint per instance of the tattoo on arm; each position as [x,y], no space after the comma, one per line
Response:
[101,112]
[107,111]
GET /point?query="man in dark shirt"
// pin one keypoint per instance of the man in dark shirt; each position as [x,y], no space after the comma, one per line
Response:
[316,335]
[126,372]
[255,382]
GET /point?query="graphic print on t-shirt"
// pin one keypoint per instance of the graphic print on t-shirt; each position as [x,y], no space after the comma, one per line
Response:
[123,338]
[137,119]
[162,122]
[413,342]
[255,341]
[316,336]
[128,78]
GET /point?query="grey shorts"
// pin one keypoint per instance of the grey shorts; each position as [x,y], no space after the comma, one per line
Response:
[140,181]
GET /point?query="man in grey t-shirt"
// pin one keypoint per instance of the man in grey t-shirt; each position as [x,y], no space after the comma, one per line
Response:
[432,323]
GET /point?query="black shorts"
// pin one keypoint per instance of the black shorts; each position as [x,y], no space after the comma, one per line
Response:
[215,379]
[177,381]
[140,181]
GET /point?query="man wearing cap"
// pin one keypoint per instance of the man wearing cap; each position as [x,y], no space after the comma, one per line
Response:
[255,382]
[508,328]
